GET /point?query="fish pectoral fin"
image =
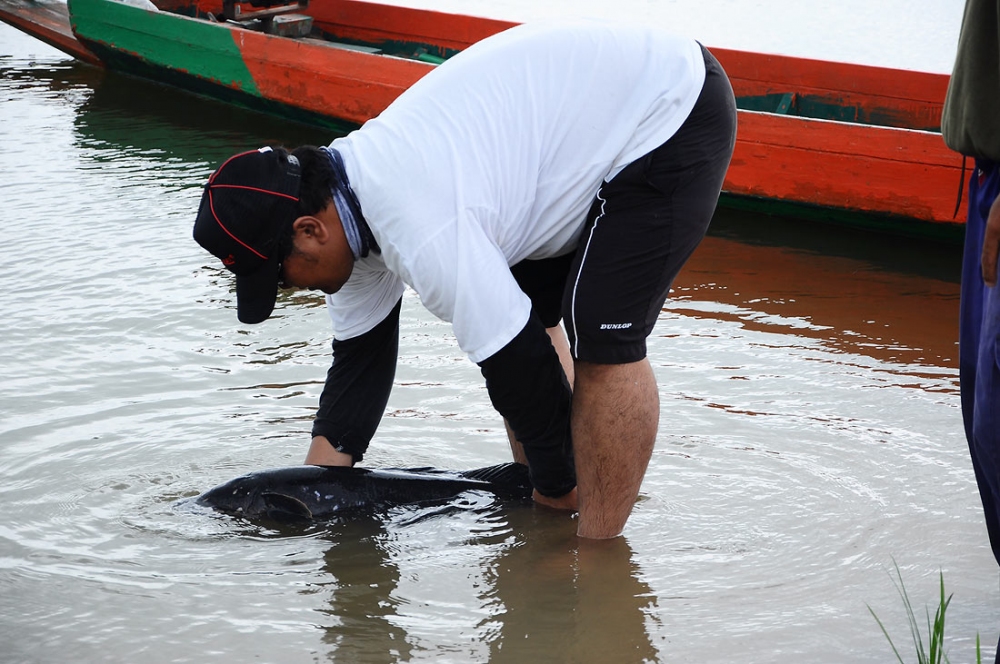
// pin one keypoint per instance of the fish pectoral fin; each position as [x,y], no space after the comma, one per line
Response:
[280,506]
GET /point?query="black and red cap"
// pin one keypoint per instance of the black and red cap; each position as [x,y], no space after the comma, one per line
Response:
[245,210]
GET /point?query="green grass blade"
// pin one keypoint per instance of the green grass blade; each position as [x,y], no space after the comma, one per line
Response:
[911,618]
[887,637]
[934,653]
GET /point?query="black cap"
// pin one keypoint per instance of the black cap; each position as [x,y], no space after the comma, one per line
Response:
[247,204]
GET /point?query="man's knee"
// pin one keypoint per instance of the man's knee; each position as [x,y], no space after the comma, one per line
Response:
[597,371]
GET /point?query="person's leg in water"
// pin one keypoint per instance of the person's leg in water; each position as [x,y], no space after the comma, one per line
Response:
[643,226]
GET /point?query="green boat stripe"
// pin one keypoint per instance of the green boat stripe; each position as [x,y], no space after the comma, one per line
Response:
[192,46]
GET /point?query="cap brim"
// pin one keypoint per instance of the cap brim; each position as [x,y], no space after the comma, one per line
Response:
[256,293]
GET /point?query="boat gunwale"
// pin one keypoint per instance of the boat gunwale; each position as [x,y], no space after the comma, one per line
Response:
[786,146]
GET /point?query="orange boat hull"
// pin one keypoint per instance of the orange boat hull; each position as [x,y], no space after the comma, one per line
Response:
[816,139]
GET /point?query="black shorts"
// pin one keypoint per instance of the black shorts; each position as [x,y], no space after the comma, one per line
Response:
[641,228]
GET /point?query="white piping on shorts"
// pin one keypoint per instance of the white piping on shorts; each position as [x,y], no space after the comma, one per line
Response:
[576,282]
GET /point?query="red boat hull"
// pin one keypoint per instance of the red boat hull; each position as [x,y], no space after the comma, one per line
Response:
[816,139]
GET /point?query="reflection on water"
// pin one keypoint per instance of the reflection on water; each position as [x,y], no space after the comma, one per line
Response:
[188,128]
[538,593]
[362,580]
[895,300]
[569,600]
[810,434]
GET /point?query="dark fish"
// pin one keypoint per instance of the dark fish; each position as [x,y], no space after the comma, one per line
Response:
[324,492]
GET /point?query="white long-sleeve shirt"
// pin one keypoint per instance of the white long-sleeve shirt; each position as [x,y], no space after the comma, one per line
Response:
[496,157]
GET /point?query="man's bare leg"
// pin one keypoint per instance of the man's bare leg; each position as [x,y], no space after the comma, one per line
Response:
[616,411]
[559,341]
[516,448]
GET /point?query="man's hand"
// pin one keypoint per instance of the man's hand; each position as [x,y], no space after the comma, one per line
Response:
[321,453]
[991,245]
[565,502]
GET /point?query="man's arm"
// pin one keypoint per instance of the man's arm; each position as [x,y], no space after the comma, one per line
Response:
[356,392]
[991,245]
[528,386]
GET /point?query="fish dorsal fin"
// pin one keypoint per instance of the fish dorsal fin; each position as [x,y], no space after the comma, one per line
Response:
[504,473]
[511,479]
[282,507]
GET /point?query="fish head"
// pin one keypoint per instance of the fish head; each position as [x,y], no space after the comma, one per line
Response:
[250,498]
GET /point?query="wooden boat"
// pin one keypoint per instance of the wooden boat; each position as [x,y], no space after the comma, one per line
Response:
[818,140]
[47,21]
[843,142]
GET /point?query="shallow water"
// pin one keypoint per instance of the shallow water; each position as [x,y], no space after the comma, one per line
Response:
[810,435]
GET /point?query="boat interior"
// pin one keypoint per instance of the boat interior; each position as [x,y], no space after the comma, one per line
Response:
[833,107]
[371,28]
[767,83]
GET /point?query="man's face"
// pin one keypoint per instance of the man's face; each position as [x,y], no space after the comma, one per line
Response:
[320,258]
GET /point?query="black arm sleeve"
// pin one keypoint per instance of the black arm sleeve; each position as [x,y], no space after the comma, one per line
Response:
[357,387]
[528,386]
